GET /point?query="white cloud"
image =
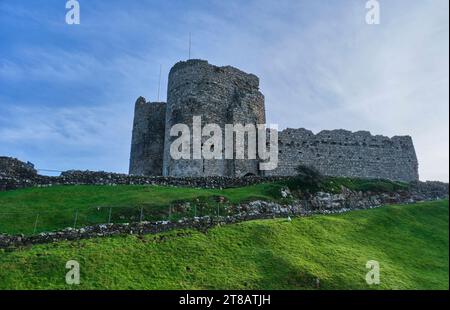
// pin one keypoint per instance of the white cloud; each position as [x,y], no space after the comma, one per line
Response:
[66,138]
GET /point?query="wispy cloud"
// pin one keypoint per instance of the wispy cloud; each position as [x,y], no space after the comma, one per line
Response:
[65,138]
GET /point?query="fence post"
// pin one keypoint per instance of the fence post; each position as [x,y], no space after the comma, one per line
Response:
[109,215]
[170,212]
[195,210]
[142,214]
[76,219]
[35,224]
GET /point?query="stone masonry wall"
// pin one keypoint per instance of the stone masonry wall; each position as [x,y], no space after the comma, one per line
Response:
[347,154]
[147,145]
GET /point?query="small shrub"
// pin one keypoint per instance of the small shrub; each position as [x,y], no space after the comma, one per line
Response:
[307,177]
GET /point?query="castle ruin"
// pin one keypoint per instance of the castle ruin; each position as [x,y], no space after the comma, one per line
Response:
[226,95]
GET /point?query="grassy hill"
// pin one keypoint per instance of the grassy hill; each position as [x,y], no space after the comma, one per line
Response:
[57,207]
[35,210]
[409,241]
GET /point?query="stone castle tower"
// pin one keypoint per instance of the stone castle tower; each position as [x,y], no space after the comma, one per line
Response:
[226,95]
[147,144]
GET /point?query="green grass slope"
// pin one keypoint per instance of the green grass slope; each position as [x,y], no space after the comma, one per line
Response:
[35,210]
[57,207]
[409,241]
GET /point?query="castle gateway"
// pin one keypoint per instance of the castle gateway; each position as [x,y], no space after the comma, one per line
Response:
[226,95]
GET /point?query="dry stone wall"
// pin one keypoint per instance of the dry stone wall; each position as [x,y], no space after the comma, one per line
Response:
[112,179]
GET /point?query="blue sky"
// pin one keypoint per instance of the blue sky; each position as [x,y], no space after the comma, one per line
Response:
[67,92]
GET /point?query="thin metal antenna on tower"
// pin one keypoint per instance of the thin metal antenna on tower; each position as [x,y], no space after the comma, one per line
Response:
[189,45]
[159,81]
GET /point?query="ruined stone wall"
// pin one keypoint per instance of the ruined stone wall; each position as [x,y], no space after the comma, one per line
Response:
[347,154]
[147,145]
[220,95]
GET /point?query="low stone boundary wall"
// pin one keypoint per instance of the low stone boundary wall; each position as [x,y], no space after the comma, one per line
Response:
[105,178]
[431,189]
[320,203]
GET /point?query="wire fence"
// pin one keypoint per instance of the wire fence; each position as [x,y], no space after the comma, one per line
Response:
[49,172]
[34,222]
